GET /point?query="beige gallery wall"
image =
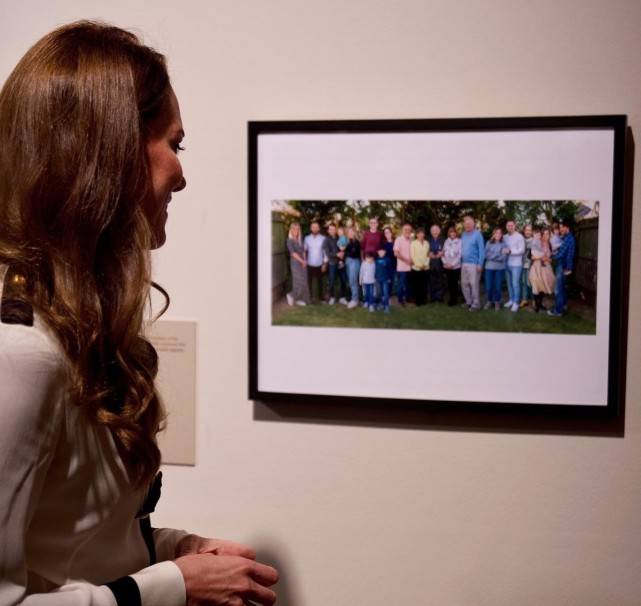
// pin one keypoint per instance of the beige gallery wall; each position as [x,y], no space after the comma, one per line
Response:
[380,514]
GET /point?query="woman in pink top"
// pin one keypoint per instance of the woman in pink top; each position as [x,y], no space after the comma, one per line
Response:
[402,248]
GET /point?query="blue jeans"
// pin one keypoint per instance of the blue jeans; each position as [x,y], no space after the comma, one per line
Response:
[514,283]
[368,294]
[493,284]
[333,273]
[401,289]
[560,294]
[526,288]
[353,267]
[383,287]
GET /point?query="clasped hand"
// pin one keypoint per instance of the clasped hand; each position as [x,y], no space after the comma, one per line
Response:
[223,573]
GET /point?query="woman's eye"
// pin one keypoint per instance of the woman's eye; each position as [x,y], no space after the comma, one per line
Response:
[178,148]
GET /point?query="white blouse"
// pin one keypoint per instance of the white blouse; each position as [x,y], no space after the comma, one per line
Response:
[67,508]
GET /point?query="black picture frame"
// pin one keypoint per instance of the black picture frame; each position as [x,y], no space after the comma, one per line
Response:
[619,270]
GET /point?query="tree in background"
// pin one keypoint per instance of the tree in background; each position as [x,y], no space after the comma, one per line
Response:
[419,213]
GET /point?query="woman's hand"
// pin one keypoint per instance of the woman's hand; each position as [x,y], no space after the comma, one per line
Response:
[193,544]
[226,580]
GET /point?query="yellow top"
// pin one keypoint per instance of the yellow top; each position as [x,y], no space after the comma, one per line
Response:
[419,254]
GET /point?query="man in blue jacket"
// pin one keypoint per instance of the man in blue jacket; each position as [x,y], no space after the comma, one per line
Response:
[564,257]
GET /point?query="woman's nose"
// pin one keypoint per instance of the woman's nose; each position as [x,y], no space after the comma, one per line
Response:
[181,184]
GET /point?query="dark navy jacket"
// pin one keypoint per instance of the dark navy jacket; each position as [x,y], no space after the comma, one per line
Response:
[565,254]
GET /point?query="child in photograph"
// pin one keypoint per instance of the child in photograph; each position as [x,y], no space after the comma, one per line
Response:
[555,238]
[452,265]
[382,278]
[367,279]
[419,252]
[495,264]
[435,281]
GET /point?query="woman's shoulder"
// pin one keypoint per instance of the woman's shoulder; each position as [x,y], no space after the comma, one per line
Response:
[29,353]
[28,349]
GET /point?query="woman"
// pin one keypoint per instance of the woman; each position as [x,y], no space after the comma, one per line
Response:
[90,130]
[452,251]
[390,257]
[353,265]
[300,287]
[541,273]
[495,263]
[419,251]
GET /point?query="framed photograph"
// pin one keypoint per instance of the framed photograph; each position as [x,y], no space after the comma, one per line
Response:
[452,263]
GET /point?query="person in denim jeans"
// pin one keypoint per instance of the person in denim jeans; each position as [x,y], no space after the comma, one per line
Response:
[515,242]
[367,279]
[564,258]
[526,287]
[332,257]
[382,278]
[388,243]
[495,262]
[402,252]
[353,266]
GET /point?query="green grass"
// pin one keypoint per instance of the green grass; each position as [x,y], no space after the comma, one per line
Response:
[436,316]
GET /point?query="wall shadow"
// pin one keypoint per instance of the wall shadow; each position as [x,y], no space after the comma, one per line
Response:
[273,553]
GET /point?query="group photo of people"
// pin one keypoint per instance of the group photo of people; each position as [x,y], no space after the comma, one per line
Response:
[441,265]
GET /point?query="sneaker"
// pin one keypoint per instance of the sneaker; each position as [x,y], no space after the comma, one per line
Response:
[372,308]
[554,314]
[515,307]
[343,301]
[331,301]
[465,305]
[290,299]
[352,304]
[524,303]
[508,304]
[497,306]
[365,305]
[488,305]
[473,308]
[301,303]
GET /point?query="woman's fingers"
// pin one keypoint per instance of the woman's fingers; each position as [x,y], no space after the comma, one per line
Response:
[265,575]
[224,547]
[258,593]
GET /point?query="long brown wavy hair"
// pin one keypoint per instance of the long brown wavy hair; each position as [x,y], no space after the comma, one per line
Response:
[75,115]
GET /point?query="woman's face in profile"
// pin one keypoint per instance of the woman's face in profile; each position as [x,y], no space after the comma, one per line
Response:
[166,171]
